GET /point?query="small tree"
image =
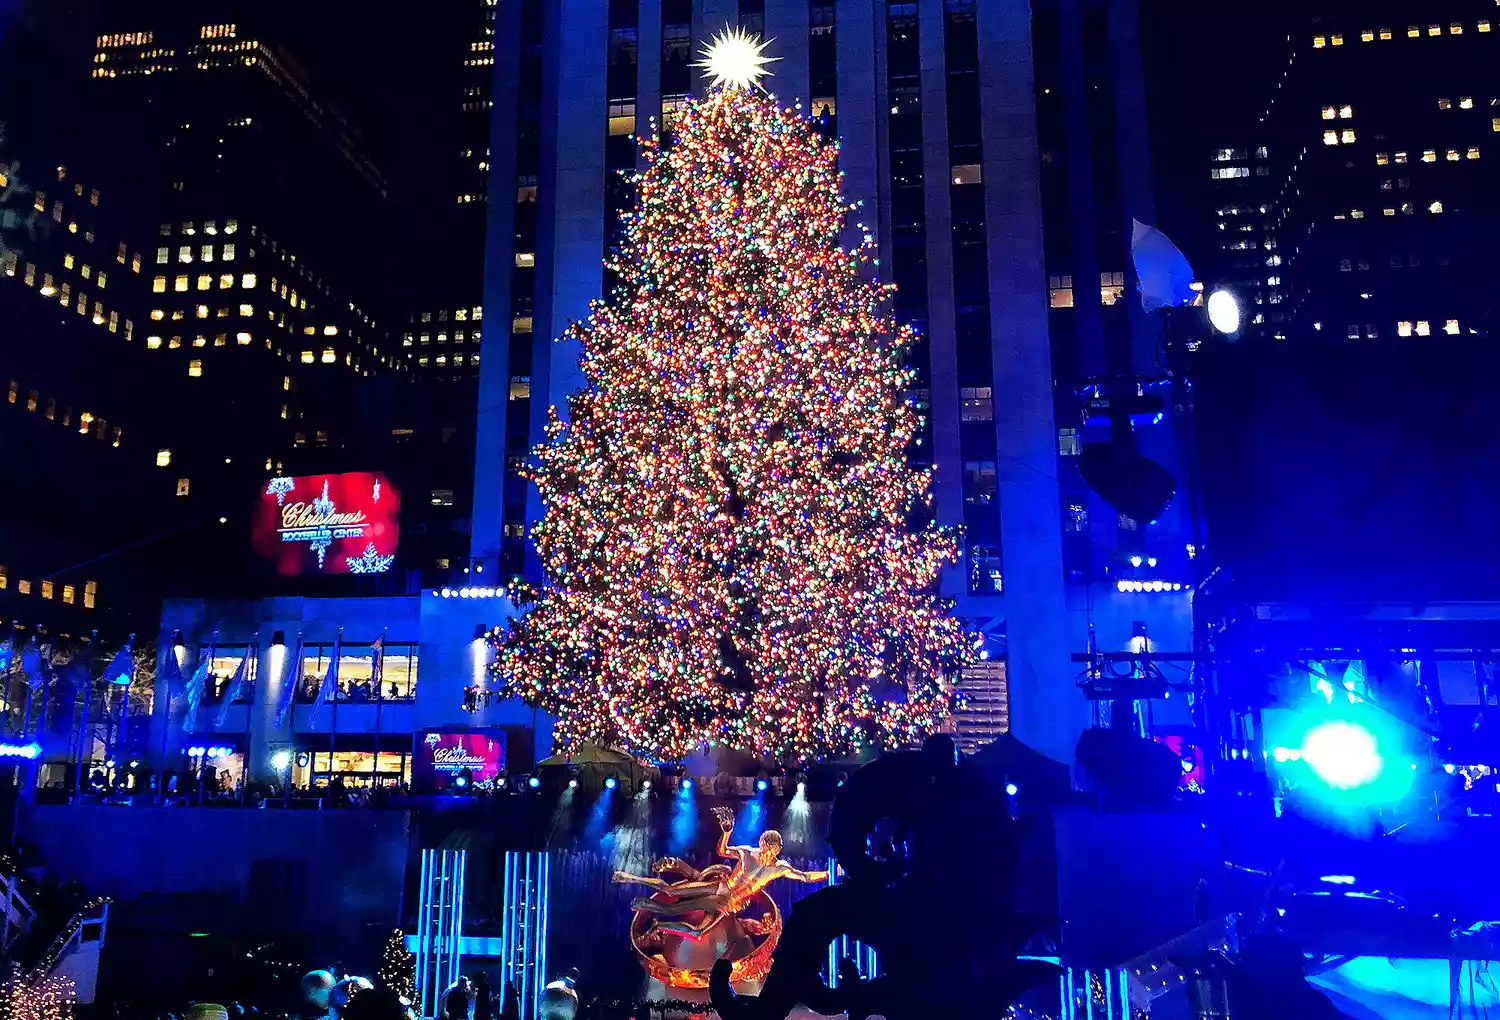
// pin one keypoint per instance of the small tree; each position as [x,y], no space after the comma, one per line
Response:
[17,216]
[398,967]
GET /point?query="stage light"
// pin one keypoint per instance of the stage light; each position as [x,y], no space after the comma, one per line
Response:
[572,784]
[1135,561]
[195,752]
[533,782]
[135,764]
[479,631]
[1449,768]
[1011,789]
[280,760]
[1224,312]
[501,781]
[609,784]
[687,786]
[278,639]
[1342,754]
[461,781]
[1286,754]
[761,785]
[303,759]
[27,751]
[646,784]
[801,789]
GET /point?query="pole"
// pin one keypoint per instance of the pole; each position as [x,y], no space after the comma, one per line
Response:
[249,717]
[333,726]
[166,726]
[379,701]
[83,720]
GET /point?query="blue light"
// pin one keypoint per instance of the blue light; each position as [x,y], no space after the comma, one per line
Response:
[1342,754]
[461,781]
[533,782]
[761,785]
[609,784]
[1449,768]
[1011,789]
[28,751]
[687,786]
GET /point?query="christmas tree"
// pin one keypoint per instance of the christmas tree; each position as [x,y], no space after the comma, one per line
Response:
[398,967]
[736,550]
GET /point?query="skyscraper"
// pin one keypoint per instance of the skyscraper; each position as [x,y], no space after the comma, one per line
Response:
[999,156]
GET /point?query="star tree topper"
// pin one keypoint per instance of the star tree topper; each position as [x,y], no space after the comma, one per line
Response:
[736,58]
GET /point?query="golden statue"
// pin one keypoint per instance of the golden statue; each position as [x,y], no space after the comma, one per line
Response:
[708,911]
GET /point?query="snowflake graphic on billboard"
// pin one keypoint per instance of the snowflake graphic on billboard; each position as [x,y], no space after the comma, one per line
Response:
[375,492]
[323,506]
[279,487]
[370,563]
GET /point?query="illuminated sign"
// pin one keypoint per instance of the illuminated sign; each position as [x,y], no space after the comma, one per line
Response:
[328,524]
[443,754]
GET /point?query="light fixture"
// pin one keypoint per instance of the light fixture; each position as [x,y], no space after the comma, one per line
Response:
[278,639]
[687,786]
[479,631]
[281,760]
[609,784]
[761,785]
[572,784]
[533,782]
[1224,312]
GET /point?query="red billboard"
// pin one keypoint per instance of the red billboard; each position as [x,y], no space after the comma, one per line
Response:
[443,754]
[328,524]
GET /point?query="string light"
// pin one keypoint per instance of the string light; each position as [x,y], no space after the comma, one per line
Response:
[729,542]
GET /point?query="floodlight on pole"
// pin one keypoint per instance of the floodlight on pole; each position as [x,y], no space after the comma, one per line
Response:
[1224,312]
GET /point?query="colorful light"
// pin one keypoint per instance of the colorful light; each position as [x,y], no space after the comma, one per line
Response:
[729,543]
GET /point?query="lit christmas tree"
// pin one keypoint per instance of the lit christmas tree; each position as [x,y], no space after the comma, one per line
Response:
[398,967]
[733,542]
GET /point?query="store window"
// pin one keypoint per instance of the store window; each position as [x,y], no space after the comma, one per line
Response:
[398,679]
[221,670]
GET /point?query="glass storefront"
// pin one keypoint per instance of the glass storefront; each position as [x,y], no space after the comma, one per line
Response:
[357,768]
[398,680]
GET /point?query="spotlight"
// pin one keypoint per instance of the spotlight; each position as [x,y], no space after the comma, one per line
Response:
[281,759]
[461,780]
[1342,754]
[135,763]
[1448,768]
[761,785]
[1011,789]
[500,781]
[687,785]
[278,639]
[801,789]
[1135,561]
[609,784]
[572,784]
[479,631]
[533,782]
[303,759]
[1224,312]
[645,784]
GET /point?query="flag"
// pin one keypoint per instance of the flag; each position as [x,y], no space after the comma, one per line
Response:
[1166,278]
[291,678]
[121,668]
[195,691]
[377,668]
[172,673]
[31,663]
[7,653]
[234,687]
[330,679]
[75,676]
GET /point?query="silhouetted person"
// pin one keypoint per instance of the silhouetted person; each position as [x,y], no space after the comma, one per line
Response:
[484,1001]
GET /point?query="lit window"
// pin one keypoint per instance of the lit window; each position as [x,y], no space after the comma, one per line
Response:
[180,285]
[1367,35]
[1413,32]
[205,282]
[230,226]
[90,590]
[202,311]
[1484,26]
[1389,212]
[1451,327]
[163,458]
[195,367]
[174,343]
[153,342]
[1444,104]
[1382,158]
[24,587]
[210,227]
[247,310]
[221,339]
[283,412]
[1466,103]
[1346,265]
[243,339]
[521,324]
[1319,42]
[329,356]
[1473,152]
[185,253]
[1456,29]
[1356,214]
[1347,136]
[1329,112]
[1345,112]
[247,281]
[1330,137]
[159,285]
[1400,157]
[47,589]
[1385,34]
[1424,328]
[286,383]
[1434,29]
[621,118]
[69,593]
[1111,287]
[308,357]
[1429,155]
[200,341]
[1337,39]
[163,255]
[182,486]
[229,253]
[1403,329]
[968,173]
[1435,207]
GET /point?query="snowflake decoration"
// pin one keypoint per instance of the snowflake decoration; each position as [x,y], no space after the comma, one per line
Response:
[371,562]
[323,506]
[375,492]
[320,545]
[279,487]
